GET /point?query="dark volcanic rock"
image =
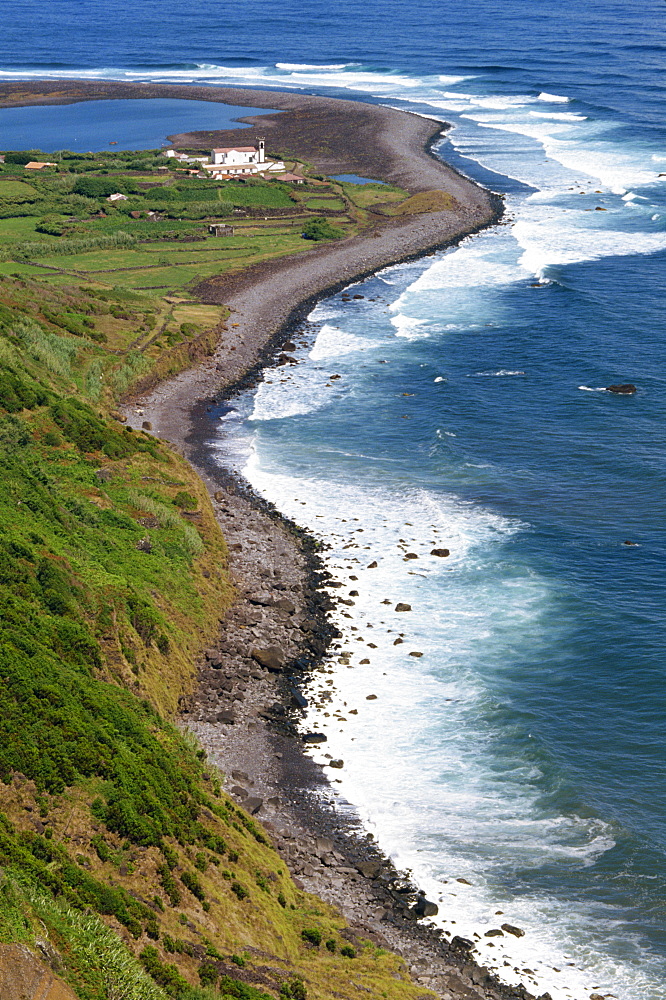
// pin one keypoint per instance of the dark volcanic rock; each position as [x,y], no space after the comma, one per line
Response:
[439,552]
[227,717]
[461,944]
[272,657]
[623,389]
[425,907]
[516,931]
[314,738]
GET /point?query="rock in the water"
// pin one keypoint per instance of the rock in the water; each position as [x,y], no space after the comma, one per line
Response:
[298,699]
[403,607]
[440,552]
[314,738]
[272,658]
[495,932]
[623,389]
[372,565]
[371,697]
[461,944]
[416,653]
[516,931]
[425,907]
[411,555]
[336,763]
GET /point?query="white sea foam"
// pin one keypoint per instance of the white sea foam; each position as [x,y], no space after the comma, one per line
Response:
[559,116]
[502,371]
[281,396]
[307,67]
[555,242]
[553,98]
[473,264]
[409,327]
[332,342]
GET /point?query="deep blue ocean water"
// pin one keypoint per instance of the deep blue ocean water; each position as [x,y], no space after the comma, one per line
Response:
[524,750]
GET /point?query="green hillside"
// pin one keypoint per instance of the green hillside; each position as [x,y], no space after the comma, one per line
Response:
[121,859]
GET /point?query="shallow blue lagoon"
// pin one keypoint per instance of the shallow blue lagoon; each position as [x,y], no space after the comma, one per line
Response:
[95,125]
[523,750]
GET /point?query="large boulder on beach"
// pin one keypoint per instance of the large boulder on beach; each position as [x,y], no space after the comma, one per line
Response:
[228,718]
[369,869]
[516,931]
[425,907]
[622,389]
[271,657]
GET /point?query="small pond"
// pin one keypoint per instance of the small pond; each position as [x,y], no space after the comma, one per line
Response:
[355,179]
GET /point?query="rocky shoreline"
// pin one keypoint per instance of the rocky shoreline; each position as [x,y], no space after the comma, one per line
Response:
[246,708]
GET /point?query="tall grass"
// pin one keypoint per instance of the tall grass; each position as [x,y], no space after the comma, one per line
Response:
[133,368]
[54,352]
[99,956]
[169,518]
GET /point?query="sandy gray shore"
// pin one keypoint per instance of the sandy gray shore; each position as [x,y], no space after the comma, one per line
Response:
[278,630]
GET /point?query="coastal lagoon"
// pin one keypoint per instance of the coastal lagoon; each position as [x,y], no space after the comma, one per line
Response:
[523,750]
[91,126]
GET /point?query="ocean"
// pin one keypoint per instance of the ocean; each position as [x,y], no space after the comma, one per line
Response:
[514,756]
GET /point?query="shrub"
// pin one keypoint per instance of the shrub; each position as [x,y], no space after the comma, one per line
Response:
[321,229]
[208,974]
[51,225]
[348,951]
[185,500]
[239,890]
[191,882]
[312,936]
[293,989]
[330,945]
[22,157]
[168,883]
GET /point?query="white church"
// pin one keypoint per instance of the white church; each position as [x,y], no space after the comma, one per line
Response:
[234,160]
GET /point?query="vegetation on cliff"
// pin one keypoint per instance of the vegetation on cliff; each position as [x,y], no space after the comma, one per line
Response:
[121,857]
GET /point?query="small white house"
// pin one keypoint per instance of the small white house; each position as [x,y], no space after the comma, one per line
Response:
[117,197]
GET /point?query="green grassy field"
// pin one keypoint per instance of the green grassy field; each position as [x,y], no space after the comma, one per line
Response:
[16,189]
